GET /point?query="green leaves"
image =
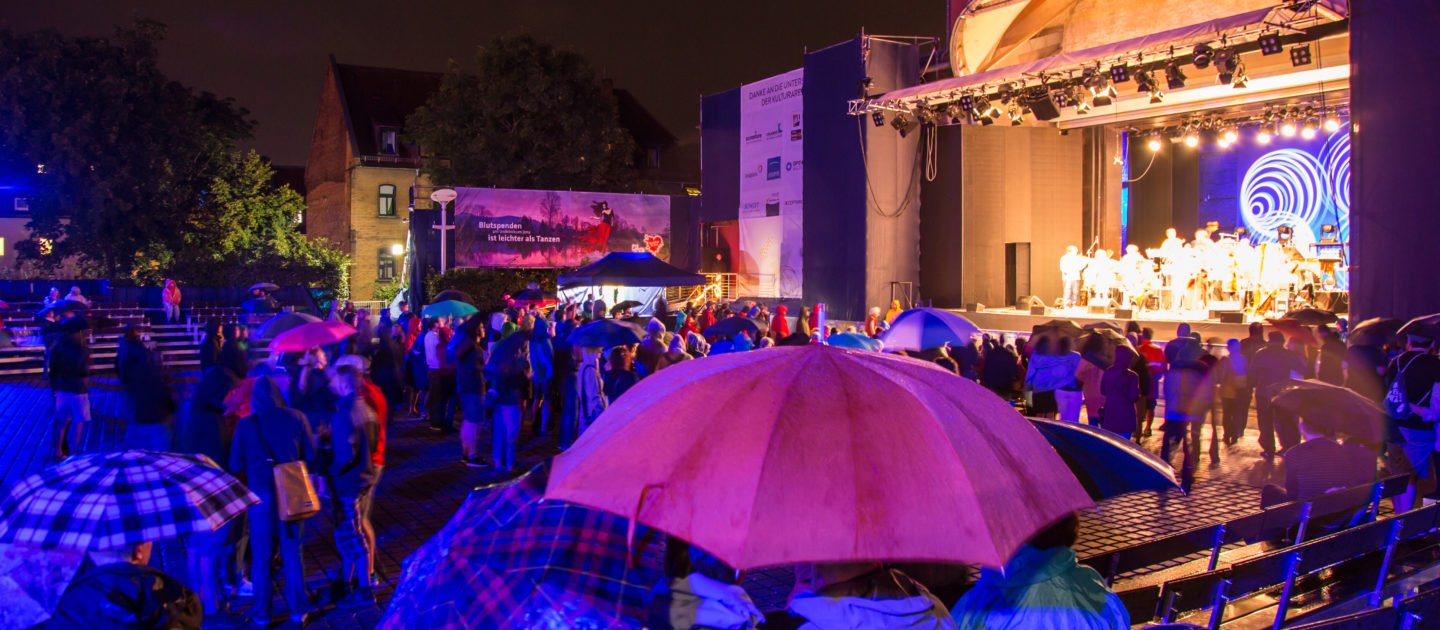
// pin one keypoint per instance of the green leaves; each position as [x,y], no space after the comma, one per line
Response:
[531,116]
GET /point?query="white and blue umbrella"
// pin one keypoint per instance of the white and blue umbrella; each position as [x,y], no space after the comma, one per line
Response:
[921,329]
[854,341]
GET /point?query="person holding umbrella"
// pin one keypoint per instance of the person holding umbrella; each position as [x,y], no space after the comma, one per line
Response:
[1272,366]
[119,588]
[201,431]
[69,383]
[861,595]
[1120,388]
[1411,382]
[272,434]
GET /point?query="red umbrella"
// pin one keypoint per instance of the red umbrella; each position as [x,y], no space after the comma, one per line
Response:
[821,454]
[1295,330]
[311,335]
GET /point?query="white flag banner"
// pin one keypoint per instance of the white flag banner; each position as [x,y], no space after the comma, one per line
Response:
[772,180]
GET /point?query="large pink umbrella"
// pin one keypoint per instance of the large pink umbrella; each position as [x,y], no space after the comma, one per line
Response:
[821,454]
[311,335]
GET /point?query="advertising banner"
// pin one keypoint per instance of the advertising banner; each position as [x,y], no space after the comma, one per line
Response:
[498,227]
[772,182]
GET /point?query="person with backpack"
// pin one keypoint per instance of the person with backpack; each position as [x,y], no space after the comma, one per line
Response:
[1410,383]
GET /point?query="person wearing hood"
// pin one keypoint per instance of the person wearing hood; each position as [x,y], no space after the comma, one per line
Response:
[170,298]
[353,434]
[152,398]
[707,318]
[695,345]
[202,431]
[743,343]
[1046,373]
[52,298]
[117,588]
[675,354]
[699,592]
[272,434]
[210,345]
[652,346]
[620,376]
[864,596]
[779,325]
[1042,586]
[1120,387]
[894,311]
[542,371]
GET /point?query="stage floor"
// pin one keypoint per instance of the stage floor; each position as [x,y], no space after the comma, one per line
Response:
[1011,320]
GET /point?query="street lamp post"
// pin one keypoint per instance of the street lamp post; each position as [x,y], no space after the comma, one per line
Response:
[443,196]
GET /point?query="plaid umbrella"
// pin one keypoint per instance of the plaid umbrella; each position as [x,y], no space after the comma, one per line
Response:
[109,500]
[509,559]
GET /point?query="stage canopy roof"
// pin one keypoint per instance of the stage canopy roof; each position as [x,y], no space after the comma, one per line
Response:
[630,269]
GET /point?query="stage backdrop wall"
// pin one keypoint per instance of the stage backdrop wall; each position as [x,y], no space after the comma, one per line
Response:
[893,166]
[720,156]
[1394,226]
[498,227]
[1022,186]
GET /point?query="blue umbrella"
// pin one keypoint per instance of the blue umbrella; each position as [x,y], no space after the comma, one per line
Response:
[1106,464]
[606,333]
[734,325]
[448,308]
[924,328]
[855,341]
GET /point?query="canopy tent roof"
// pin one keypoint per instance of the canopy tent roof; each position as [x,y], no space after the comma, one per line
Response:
[631,269]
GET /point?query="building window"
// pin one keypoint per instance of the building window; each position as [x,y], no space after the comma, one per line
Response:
[387,200]
[389,140]
[385,269]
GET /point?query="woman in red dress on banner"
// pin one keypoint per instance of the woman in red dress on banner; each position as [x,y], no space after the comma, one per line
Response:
[599,236]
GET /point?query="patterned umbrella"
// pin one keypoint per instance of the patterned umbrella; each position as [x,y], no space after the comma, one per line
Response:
[854,341]
[510,559]
[925,328]
[310,335]
[110,500]
[283,322]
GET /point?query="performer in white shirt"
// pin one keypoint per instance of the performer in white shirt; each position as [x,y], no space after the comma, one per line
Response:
[1100,276]
[1137,275]
[1072,264]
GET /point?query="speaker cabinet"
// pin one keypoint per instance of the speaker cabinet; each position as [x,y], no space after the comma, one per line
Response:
[1232,317]
[1124,313]
[1098,309]
[1039,310]
[974,307]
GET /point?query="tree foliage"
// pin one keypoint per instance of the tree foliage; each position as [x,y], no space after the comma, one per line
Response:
[530,116]
[119,149]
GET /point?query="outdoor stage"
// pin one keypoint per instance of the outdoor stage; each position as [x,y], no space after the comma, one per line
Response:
[1011,320]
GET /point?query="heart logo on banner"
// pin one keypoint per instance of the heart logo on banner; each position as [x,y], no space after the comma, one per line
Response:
[653,242]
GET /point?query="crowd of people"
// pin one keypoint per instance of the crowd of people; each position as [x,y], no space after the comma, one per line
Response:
[494,377]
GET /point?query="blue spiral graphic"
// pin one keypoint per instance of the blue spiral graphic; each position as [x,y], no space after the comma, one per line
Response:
[1283,187]
[1335,155]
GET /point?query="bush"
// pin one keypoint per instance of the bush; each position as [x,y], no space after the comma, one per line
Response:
[489,285]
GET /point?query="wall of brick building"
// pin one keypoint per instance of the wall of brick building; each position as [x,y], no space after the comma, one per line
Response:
[369,232]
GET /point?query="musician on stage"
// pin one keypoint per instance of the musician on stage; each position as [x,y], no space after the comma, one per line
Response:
[1072,264]
[1100,276]
[1137,276]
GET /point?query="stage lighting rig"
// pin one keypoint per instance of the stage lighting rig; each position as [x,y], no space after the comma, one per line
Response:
[1300,55]
[1332,124]
[1119,73]
[879,118]
[1226,61]
[1154,143]
[1269,43]
[1016,116]
[1266,133]
[956,112]
[1201,55]
[1157,97]
[1174,77]
[967,102]
[1145,80]
[903,124]
[1241,80]
[1312,126]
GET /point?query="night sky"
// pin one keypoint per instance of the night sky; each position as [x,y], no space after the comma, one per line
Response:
[270,55]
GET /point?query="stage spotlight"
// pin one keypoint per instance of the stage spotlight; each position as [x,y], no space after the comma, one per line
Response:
[1240,79]
[1223,143]
[1201,55]
[1192,139]
[1287,128]
[1119,73]
[1270,44]
[1174,77]
[985,120]
[1311,127]
[927,116]
[1082,106]
[1016,117]
[1230,136]
[967,102]
[1332,124]
[1225,63]
[1154,143]
[903,124]
[1300,55]
[879,118]
[1156,97]
[1145,80]
[956,112]
[1267,131]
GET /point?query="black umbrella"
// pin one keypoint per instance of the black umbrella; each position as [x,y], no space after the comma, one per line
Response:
[733,325]
[262,305]
[452,294]
[281,323]
[1057,328]
[1376,331]
[1101,344]
[606,333]
[1426,326]
[1333,408]
[1106,464]
[1106,324]
[795,339]
[504,350]
[264,286]
[620,308]
[1311,316]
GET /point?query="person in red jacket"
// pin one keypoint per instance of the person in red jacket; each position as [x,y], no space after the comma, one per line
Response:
[779,326]
[1154,360]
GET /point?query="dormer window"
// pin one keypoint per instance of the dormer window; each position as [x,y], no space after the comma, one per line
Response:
[389,141]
